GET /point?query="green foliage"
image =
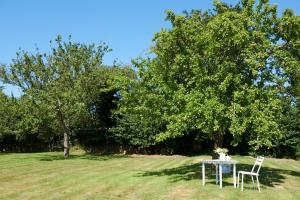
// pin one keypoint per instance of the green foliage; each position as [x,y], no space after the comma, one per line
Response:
[61,84]
[67,93]
[24,126]
[6,119]
[94,130]
[218,72]
[138,122]
[288,144]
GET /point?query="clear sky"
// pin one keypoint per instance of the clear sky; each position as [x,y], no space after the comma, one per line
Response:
[126,26]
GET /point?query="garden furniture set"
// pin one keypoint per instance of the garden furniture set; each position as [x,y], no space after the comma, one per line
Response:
[220,164]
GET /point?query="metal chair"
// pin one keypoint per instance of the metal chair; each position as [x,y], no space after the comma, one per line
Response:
[254,172]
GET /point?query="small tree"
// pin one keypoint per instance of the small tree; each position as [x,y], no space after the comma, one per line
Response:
[59,83]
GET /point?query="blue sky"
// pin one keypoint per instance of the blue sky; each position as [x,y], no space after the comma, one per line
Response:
[127,26]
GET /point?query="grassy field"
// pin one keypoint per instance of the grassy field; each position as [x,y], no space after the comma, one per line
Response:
[49,176]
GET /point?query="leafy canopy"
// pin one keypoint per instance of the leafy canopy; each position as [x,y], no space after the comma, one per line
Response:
[218,72]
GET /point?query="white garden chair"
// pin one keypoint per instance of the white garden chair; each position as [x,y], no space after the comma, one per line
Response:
[254,172]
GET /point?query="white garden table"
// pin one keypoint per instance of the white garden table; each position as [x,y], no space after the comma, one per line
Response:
[219,164]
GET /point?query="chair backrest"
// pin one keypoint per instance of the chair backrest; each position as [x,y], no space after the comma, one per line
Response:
[258,162]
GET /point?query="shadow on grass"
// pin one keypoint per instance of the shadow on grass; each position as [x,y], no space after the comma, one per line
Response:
[4,153]
[82,157]
[268,176]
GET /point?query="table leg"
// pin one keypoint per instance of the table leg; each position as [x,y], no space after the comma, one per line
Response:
[203,174]
[220,173]
[217,175]
[234,175]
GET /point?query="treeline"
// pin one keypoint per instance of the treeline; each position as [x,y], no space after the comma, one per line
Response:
[228,77]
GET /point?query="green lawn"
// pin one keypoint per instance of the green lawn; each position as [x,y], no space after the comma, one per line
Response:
[49,176]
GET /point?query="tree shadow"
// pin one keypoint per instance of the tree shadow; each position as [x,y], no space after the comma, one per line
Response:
[5,153]
[82,157]
[185,173]
[269,177]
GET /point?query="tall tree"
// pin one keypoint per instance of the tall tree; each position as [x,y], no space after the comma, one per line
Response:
[59,83]
[219,72]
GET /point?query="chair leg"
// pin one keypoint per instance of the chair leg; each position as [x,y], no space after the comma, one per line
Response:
[257,183]
[242,182]
[252,182]
[238,181]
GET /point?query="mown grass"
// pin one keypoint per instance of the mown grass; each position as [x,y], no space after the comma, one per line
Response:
[50,176]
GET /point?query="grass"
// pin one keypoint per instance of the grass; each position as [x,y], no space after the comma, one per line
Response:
[50,176]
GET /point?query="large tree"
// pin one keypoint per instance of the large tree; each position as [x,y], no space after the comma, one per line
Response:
[218,72]
[60,84]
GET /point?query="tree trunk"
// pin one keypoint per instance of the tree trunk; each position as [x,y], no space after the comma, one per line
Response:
[65,125]
[66,145]
[218,140]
